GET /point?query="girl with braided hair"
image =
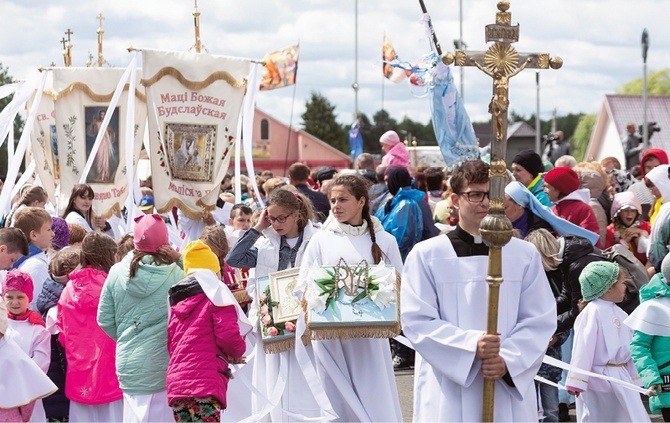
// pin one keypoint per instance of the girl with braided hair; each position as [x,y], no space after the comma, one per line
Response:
[34,196]
[351,369]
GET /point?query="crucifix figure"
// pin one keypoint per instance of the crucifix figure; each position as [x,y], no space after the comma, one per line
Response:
[501,62]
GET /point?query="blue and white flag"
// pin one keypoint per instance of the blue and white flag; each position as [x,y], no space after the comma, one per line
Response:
[355,140]
[451,122]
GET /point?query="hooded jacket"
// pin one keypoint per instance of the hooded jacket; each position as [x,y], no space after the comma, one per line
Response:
[200,338]
[91,372]
[615,230]
[404,220]
[650,352]
[577,253]
[134,313]
[396,156]
[575,208]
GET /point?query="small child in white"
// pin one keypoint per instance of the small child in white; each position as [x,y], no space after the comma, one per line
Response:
[601,345]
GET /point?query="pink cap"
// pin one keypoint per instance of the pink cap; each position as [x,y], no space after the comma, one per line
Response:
[150,233]
[17,280]
[389,138]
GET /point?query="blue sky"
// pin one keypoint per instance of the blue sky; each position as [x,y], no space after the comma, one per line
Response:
[599,41]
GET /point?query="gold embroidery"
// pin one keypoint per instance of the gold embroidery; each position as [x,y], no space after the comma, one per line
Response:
[100,98]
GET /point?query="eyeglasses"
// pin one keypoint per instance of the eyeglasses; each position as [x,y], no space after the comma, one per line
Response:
[279,219]
[475,196]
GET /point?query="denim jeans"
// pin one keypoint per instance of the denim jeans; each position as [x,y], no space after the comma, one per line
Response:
[548,401]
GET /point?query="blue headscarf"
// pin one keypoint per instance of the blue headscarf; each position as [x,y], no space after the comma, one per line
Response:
[525,198]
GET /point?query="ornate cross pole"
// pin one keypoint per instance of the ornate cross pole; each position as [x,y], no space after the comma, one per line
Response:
[99,31]
[501,62]
[196,22]
[68,58]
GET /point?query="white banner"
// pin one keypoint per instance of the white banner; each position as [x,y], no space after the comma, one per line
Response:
[43,145]
[82,97]
[193,102]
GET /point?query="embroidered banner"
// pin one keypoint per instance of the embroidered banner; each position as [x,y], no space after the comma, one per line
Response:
[194,102]
[43,145]
[82,96]
[281,68]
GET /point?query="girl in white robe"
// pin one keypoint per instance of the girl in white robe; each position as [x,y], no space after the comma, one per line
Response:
[356,374]
[26,327]
[22,382]
[602,345]
[287,228]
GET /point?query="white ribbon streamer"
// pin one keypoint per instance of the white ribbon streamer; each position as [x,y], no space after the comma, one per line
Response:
[5,196]
[248,109]
[27,174]
[561,365]
[130,143]
[8,89]
[22,94]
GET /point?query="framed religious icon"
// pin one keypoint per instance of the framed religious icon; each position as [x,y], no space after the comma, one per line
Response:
[276,336]
[106,162]
[191,149]
[282,285]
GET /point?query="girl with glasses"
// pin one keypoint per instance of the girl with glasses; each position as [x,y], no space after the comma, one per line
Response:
[277,242]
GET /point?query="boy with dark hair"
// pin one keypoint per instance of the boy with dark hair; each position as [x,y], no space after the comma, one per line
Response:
[444,297]
[239,223]
[13,246]
[35,223]
[298,174]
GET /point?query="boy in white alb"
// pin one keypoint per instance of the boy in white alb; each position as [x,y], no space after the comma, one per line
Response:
[444,298]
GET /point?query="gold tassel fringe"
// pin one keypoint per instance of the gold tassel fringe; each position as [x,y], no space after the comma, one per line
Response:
[276,347]
[353,332]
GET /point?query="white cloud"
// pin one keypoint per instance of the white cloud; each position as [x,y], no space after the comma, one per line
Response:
[599,41]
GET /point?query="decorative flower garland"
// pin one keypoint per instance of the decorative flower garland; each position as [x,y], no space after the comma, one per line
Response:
[271,329]
[359,282]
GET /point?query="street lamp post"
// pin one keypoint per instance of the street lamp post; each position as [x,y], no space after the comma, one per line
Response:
[645,127]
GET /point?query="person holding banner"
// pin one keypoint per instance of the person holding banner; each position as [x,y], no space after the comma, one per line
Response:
[356,374]
[277,242]
[601,346]
[79,210]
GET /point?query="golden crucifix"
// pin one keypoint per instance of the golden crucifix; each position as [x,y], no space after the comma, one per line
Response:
[501,62]
[68,48]
[99,31]
[64,42]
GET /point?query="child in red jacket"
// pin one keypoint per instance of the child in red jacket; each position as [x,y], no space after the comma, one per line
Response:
[571,203]
[205,334]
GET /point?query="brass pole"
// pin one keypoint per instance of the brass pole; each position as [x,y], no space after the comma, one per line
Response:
[501,62]
[196,22]
[99,31]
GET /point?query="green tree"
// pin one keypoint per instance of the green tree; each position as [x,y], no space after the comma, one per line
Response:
[658,83]
[319,119]
[582,136]
[5,79]
[424,134]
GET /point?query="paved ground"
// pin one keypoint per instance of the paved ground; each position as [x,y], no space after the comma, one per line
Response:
[405,379]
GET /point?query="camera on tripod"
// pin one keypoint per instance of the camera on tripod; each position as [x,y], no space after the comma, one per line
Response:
[651,128]
[549,138]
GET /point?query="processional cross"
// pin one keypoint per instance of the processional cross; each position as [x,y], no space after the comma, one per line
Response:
[68,48]
[501,62]
[99,31]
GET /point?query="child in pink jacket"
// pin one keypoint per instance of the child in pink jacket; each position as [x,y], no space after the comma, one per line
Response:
[205,333]
[91,383]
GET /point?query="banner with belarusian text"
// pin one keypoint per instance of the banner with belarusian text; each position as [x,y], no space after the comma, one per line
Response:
[194,102]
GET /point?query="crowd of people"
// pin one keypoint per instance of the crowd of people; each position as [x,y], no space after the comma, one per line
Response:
[147,326]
